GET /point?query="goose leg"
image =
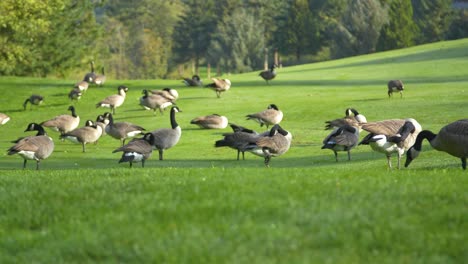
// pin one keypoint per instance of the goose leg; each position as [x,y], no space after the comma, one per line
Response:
[399,159]
[389,162]
[37,164]
[238,153]
[243,155]
[267,161]
[24,163]
[131,164]
[463,160]
[143,163]
[349,155]
[84,148]
[113,109]
[160,154]
[336,155]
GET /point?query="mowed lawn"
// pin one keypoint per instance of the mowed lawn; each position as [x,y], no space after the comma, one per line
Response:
[201,205]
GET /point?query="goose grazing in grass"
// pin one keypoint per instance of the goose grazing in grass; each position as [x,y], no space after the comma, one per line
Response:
[63,123]
[166,138]
[195,81]
[213,121]
[342,139]
[34,99]
[241,140]
[271,116]
[89,77]
[4,118]
[36,148]
[90,133]
[121,130]
[352,118]
[137,150]
[269,74]
[100,79]
[395,86]
[154,102]
[391,136]
[82,86]
[275,144]
[219,86]
[75,94]
[452,138]
[168,93]
[115,100]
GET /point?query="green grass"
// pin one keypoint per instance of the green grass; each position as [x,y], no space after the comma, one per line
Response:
[200,205]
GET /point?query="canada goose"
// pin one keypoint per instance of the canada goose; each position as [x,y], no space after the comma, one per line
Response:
[31,127]
[342,139]
[36,148]
[195,81]
[219,86]
[271,116]
[82,86]
[240,140]
[89,77]
[452,138]
[87,134]
[213,121]
[34,99]
[75,94]
[102,122]
[269,74]
[63,123]
[100,79]
[4,118]
[237,128]
[390,136]
[165,138]
[275,144]
[121,130]
[168,93]
[395,86]
[352,118]
[115,100]
[137,150]
[154,101]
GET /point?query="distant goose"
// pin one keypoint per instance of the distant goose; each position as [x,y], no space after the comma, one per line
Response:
[213,121]
[269,74]
[75,94]
[390,136]
[352,118]
[36,148]
[34,99]
[195,81]
[166,138]
[121,130]
[90,76]
[271,116]
[219,86]
[452,138]
[137,150]
[395,86]
[275,144]
[100,79]
[87,134]
[240,140]
[342,139]
[115,100]
[154,102]
[4,118]
[82,86]
[168,93]
[63,123]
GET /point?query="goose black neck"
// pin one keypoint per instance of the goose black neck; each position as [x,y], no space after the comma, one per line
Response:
[173,120]
[73,112]
[40,130]
[425,134]
[25,103]
[111,119]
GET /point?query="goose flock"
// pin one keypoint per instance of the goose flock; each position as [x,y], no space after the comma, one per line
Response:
[389,137]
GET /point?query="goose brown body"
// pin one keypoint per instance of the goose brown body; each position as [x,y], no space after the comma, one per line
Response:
[115,100]
[271,116]
[63,123]
[83,135]
[121,130]
[213,121]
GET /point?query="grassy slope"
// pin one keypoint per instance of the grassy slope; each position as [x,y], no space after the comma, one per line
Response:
[201,205]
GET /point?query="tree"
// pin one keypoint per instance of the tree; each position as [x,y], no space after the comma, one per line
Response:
[433,18]
[400,31]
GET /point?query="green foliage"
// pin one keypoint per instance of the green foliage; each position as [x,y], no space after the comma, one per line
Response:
[433,18]
[201,205]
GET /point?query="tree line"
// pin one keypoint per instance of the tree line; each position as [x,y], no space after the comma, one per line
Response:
[149,39]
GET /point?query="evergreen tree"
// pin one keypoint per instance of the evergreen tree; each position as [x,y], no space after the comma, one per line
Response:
[433,18]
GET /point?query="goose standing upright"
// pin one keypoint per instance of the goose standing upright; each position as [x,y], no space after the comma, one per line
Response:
[63,123]
[137,150]
[342,139]
[115,100]
[165,138]
[36,148]
[34,99]
[219,86]
[240,140]
[90,133]
[271,116]
[269,74]
[452,138]
[121,130]
[154,101]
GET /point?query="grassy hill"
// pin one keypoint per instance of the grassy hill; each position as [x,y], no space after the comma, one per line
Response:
[201,205]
